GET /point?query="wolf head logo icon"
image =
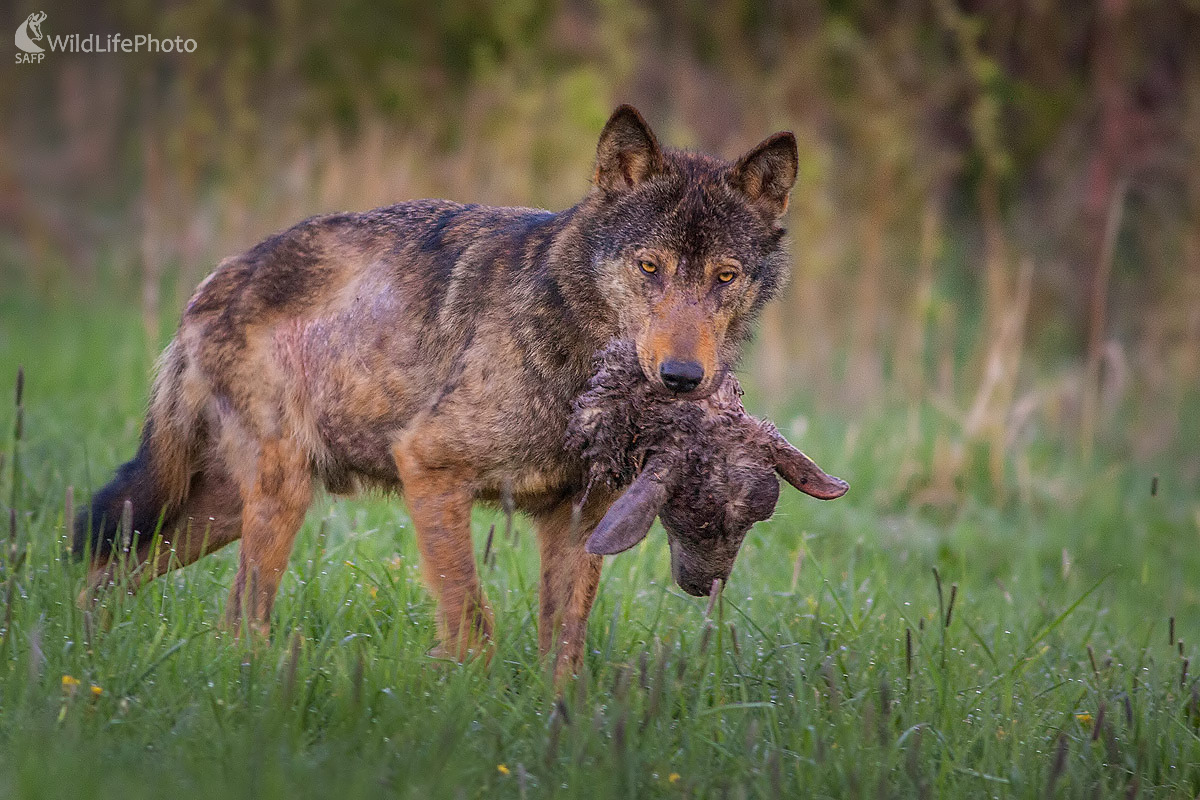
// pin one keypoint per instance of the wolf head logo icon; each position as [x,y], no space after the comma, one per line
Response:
[29,33]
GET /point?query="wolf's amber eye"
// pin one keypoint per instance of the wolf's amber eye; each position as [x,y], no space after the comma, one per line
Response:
[726,275]
[648,267]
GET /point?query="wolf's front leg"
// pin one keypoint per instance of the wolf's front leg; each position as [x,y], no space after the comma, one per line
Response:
[570,576]
[439,499]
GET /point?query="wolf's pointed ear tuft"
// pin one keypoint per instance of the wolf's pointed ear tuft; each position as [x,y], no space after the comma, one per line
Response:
[628,152]
[767,173]
[629,519]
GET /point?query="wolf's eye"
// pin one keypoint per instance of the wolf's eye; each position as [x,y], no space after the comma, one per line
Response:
[648,267]
[726,275]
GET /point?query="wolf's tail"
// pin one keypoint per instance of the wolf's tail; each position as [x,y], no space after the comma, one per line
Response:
[156,481]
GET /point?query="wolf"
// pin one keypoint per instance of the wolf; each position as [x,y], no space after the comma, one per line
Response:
[434,350]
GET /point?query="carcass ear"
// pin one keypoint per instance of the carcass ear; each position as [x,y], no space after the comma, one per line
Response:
[628,152]
[629,519]
[802,472]
[767,173]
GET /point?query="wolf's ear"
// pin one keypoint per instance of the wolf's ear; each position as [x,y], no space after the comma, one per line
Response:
[767,173]
[628,153]
[629,519]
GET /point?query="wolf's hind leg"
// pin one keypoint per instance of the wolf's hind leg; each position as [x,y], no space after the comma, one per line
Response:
[439,501]
[210,519]
[274,505]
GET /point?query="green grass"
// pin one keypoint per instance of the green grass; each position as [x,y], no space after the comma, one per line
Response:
[1053,673]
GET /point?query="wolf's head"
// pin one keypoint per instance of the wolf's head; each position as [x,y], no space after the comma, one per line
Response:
[687,247]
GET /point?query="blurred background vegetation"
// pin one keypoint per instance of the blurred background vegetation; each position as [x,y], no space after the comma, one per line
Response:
[996,229]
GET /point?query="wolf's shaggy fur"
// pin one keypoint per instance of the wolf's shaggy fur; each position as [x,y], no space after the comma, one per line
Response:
[434,349]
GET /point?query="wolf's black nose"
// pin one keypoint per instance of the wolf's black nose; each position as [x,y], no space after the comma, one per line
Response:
[681,376]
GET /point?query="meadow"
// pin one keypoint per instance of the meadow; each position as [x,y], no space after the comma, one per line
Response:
[872,646]
[993,333]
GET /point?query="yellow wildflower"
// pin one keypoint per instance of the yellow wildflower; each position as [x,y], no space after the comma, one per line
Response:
[96,690]
[1084,719]
[69,682]
[673,777]
[502,769]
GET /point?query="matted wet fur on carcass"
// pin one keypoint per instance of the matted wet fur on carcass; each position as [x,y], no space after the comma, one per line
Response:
[706,467]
